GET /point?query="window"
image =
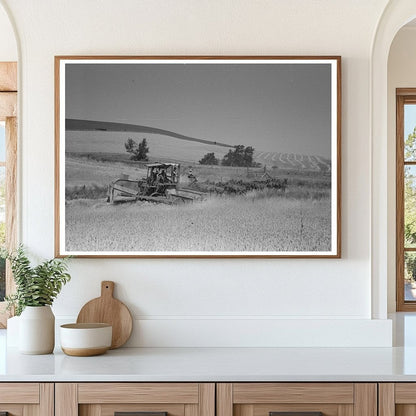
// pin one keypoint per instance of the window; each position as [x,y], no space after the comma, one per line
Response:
[8,169]
[406,199]
[2,206]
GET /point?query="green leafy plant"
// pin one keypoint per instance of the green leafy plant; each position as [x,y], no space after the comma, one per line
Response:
[35,285]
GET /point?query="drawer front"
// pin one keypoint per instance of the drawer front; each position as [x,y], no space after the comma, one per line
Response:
[131,399]
[138,393]
[22,399]
[397,399]
[297,399]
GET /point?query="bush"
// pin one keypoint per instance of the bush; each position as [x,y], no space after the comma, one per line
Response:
[209,159]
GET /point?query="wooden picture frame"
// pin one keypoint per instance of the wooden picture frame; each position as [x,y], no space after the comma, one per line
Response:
[198,156]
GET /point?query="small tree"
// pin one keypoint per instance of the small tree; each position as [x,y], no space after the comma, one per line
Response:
[138,151]
[209,159]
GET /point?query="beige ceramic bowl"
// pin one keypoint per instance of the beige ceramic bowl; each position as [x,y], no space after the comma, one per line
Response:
[83,340]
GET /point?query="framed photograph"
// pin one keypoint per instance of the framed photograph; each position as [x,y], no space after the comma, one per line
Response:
[198,156]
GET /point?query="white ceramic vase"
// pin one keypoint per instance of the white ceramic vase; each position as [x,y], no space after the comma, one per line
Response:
[37,330]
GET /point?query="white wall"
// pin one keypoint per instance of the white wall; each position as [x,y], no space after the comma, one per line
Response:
[197,302]
[401,74]
[8,47]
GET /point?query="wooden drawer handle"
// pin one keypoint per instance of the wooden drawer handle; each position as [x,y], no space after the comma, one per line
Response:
[295,413]
[139,414]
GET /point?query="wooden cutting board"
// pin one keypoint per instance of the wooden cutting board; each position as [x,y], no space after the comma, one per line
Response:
[108,310]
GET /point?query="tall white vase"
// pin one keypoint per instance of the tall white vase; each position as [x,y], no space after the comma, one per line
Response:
[37,330]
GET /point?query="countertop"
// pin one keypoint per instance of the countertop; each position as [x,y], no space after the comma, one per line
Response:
[215,364]
[222,364]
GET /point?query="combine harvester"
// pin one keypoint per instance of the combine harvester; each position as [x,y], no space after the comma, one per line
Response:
[161,185]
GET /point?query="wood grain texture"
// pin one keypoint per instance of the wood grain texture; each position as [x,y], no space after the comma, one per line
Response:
[224,402]
[31,410]
[365,399]
[109,310]
[405,91]
[207,399]
[345,410]
[57,165]
[190,410]
[90,410]
[404,96]
[8,76]
[25,393]
[400,304]
[66,399]
[244,410]
[8,105]
[386,399]
[11,195]
[138,393]
[340,393]
[339,158]
[405,410]
[264,409]
[47,399]
[336,58]
[110,409]
[405,393]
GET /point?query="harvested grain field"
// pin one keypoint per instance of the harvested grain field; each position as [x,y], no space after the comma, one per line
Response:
[228,224]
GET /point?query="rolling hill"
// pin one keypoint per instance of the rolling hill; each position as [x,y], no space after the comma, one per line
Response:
[84,136]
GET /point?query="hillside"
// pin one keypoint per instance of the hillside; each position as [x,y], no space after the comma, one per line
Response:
[170,148]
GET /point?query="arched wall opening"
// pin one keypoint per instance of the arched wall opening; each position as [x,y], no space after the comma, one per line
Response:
[396,15]
[401,73]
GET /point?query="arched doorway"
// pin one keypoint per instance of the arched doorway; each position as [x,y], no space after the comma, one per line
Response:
[395,16]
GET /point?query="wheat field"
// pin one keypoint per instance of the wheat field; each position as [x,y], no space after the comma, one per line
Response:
[245,223]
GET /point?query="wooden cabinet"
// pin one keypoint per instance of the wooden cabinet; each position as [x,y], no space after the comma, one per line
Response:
[108,399]
[208,399]
[267,399]
[397,399]
[27,399]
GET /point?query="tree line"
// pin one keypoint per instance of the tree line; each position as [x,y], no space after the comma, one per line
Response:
[242,156]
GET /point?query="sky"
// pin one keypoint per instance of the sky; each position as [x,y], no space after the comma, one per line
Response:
[409,119]
[277,108]
[2,142]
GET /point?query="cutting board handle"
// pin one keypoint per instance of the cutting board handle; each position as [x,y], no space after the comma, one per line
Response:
[107,289]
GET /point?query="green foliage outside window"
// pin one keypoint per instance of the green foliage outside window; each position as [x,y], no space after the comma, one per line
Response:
[410,204]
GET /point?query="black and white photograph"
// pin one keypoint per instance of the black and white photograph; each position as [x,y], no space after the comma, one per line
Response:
[205,157]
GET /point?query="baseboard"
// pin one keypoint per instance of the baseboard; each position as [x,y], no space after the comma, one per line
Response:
[256,332]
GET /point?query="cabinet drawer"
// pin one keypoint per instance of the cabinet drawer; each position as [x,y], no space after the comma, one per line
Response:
[146,399]
[397,399]
[297,399]
[21,399]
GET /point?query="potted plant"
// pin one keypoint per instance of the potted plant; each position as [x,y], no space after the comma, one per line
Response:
[36,289]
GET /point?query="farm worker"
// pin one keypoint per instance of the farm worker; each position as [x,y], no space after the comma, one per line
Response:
[174,173]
